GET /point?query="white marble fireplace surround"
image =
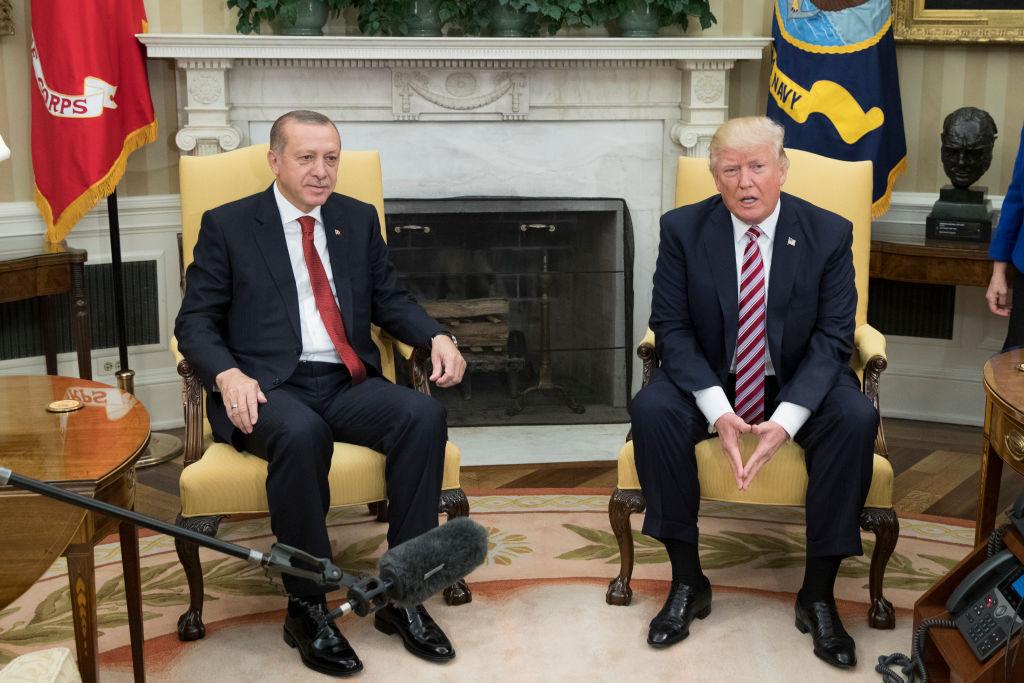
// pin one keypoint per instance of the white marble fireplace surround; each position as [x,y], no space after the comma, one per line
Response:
[534,117]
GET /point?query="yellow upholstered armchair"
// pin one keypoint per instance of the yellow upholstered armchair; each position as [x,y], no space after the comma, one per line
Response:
[844,188]
[219,481]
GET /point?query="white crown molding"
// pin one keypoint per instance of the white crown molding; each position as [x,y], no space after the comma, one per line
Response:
[369,51]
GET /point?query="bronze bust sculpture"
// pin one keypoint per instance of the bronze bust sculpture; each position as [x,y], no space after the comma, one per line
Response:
[968,135]
[962,212]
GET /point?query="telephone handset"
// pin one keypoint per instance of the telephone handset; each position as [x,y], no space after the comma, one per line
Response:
[985,604]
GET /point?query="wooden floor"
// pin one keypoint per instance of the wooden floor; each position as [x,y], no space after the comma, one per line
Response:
[936,468]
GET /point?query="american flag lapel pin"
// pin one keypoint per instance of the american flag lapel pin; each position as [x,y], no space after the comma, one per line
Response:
[790,241]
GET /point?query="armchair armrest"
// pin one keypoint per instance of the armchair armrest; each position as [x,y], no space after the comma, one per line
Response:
[175,352]
[869,345]
[648,355]
[192,405]
[417,362]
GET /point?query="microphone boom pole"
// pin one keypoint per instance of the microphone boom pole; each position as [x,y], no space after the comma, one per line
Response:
[410,572]
[277,560]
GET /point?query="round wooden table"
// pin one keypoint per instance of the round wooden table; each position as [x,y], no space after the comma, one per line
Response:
[1003,434]
[91,451]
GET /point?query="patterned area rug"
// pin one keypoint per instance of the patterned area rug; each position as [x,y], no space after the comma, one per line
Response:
[538,611]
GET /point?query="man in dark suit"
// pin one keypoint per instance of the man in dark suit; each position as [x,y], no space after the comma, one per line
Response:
[753,314]
[276,318]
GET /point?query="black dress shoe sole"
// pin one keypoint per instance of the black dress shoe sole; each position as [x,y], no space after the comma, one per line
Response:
[823,656]
[389,629]
[703,614]
[319,668]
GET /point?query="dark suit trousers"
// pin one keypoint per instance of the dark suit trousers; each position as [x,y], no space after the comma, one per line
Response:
[838,441]
[296,431]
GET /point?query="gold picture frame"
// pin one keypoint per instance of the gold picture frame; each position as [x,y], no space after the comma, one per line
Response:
[6,18]
[957,21]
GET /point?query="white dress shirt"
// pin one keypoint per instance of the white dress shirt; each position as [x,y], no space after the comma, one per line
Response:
[712,400]
[316,343]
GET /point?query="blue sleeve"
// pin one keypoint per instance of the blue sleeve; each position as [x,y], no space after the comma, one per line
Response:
[1012,214]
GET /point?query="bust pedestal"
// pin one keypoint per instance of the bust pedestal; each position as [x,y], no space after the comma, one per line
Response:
[961,214]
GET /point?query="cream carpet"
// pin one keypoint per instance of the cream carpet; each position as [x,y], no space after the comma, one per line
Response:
[538,611]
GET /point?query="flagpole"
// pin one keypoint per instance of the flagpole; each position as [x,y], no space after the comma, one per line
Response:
[162,447]
[125,376]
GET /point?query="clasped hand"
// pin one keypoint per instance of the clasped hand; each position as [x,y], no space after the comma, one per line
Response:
[770,436]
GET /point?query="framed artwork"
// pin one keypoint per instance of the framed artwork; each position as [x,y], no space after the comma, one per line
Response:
[6,18]
[958,21]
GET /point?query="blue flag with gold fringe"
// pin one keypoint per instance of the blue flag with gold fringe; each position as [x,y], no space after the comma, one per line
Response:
[834,85]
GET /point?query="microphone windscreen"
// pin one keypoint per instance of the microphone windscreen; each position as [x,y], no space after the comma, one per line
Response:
[420,567]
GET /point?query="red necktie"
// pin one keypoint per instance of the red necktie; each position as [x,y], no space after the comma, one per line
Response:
[750,348]
[326,303]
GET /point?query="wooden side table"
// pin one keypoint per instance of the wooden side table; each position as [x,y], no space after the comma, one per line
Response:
[43,272]
[936,262]
[91,451]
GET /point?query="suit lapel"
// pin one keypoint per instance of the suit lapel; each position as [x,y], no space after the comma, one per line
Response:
[338,240]
[721,252]
[270,239]
[786,251]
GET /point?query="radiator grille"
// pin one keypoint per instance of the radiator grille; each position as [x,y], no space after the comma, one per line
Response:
[19,330]
[911,310]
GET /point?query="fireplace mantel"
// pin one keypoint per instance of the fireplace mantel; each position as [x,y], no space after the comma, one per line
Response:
[451,79]
[357,50]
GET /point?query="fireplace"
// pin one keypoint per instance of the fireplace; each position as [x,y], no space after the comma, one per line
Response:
[587,117]
[542,288]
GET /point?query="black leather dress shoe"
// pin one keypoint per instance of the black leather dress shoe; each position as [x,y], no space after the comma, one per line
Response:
[321,645]
[420,634]
[684,602]
[831,641]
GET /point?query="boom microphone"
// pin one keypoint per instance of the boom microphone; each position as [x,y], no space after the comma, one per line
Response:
[409,573]
[413,571]
[416,569]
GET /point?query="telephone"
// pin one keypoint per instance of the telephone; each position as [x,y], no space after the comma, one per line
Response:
[985,604]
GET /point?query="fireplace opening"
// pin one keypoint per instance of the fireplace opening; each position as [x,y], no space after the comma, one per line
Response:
[539,293]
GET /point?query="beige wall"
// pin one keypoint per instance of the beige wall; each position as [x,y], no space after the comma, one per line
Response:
[934,80]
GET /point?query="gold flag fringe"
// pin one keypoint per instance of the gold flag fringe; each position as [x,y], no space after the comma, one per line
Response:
[56,231]
[879,208]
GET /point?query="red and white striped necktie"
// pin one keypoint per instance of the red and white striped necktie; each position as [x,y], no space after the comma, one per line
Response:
[750,339]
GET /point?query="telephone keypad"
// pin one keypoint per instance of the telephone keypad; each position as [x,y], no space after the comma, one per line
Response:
[987,622]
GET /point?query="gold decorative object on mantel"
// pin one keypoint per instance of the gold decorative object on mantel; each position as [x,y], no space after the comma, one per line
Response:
[922,21]
[6,18]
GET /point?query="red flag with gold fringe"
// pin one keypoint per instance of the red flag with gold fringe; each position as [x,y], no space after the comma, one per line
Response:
[91,106]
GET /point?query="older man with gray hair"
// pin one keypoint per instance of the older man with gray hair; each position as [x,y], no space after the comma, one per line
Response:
[753,312]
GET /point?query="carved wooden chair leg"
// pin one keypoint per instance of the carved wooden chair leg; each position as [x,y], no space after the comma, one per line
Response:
[379,509]
[623,503]
[886,527]
[190,624]
[455,504]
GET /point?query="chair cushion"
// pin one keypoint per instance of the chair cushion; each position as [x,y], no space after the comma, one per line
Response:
[54,665]
[227,482]
[783,481]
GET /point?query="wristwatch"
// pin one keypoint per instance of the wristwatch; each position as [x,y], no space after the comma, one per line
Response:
[447,334]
